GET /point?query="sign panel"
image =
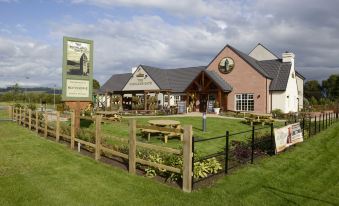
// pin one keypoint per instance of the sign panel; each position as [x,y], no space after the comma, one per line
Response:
[77,71]
[77,88]
[287,136]
[140,81]
[182,107]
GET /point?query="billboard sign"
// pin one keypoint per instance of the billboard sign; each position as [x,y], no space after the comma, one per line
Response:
[287,136]
[77,69]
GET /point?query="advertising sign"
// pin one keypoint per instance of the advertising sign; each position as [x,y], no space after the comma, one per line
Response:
[77,70]
[287,136]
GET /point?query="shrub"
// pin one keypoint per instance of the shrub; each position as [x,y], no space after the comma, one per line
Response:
[278,113]
[31,106]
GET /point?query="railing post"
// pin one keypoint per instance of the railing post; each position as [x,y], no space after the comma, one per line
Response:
[187,163]
[30,119]
[252,145]
[46,123]
[24,117]
[315,124]
[304,126]
[272,138]
[72,129]
[37,121]
[132,146]
[319,124]
[57,127]
[226,151]
[309,127]
[97,137]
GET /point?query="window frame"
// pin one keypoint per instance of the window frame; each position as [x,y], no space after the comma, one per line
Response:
[245,103]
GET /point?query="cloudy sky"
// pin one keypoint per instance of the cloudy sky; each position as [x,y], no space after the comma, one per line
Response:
[162,33]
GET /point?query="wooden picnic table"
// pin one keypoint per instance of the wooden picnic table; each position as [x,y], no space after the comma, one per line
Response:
[110,115]
[163,123]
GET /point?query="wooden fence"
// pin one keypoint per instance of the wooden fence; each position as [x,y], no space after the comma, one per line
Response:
[39,122]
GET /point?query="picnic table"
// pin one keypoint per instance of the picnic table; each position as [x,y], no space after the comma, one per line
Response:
[259,118]
[110,115]
[163,123]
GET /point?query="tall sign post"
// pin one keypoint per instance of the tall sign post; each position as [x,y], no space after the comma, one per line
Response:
[77,74]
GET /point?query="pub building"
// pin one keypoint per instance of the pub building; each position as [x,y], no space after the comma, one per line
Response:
[257,82]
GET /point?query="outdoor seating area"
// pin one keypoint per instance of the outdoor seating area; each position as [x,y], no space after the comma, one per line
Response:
[259,119]
[110,115]
[165,128]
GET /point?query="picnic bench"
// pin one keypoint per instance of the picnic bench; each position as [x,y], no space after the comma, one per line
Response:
[110,115]
[167,128]
[259,118]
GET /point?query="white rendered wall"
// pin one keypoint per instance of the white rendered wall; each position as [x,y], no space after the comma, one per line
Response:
[287,100]
[300,83]
[261,53]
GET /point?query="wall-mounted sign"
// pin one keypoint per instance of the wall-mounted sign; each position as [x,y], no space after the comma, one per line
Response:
[226,65]
[140,81]
[77,69]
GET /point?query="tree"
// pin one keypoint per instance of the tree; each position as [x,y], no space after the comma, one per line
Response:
[331,87]
[312,88]
[96,84]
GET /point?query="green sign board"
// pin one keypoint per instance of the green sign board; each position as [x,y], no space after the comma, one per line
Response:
[77,69]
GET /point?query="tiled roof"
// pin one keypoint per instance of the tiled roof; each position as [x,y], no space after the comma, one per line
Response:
[176,80]
[278,71]
[219,81]
[115,83]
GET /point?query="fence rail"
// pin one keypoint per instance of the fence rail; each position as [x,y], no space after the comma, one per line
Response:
[41,123]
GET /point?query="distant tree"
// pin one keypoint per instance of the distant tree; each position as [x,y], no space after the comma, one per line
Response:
[312,88]
[331,87]
[96,84]
[313,101]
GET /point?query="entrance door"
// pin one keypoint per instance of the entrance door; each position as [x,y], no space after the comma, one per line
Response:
[203,102]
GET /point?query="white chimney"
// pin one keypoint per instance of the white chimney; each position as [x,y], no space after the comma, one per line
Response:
[288,57]
[133,69]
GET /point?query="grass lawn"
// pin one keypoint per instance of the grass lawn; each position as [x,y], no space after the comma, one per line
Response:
[215,127]
[35,171]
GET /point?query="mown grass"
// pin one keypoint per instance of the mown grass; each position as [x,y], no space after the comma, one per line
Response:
[35,171]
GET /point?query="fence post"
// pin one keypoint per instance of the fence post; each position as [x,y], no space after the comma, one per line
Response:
[323,121]
[72,129]
[319,124]
[20,116]
[57,127]
[46,123]
[309,127]
[227,150]
[187,163]
[30,119]
[24,117]
[272,138]
[252,145]
[304,126]
[326,120]
[315,124]
[97,137]
[132,146]
[37,121]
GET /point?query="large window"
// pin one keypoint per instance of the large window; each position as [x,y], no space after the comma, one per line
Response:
[244,102]
[176,99]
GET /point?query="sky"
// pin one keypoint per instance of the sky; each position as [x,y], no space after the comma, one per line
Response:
[162,33]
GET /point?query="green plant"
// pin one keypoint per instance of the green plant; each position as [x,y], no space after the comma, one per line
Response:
[278,113]
[31,106]
[204,168]
[216,104]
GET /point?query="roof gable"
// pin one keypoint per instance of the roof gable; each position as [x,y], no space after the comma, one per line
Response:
[249,60]
[260,53]
[140,80]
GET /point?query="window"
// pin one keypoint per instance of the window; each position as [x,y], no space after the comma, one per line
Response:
[176,99]
[244,102]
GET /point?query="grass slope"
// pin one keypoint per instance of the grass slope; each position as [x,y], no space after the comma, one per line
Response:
[34,171]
